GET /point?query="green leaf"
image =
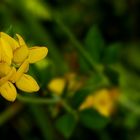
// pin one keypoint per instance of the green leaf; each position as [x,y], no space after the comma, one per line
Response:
[94,43]
[66,125]
[90,118]
[112,53]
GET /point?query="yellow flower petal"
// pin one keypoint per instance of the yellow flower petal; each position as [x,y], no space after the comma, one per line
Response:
[21,40]
[23,68]
[88,103]
[103,102]
[4,69]
[12,77]
[8,76]
[4,58]
[57,85]
[6,53]
[27,83]
[13,43]
[20,54]
[8,91]
[37,53]
[6,47]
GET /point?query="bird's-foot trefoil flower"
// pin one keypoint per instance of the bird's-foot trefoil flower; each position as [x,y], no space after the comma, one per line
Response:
[15,57]
[103,101]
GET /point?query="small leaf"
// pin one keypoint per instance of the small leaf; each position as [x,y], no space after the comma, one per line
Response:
[92,119]
[94,43]
[112,53]
[66,125]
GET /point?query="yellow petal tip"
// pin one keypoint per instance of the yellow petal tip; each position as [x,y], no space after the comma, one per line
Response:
[8,91]
[27,83]
[37,53]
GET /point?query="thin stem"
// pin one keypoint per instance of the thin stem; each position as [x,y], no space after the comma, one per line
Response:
[37,100]
[68,108]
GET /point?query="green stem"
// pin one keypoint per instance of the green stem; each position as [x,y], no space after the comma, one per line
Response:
[37,100]
[68,108]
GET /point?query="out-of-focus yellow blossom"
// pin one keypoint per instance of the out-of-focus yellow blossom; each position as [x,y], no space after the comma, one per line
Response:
[16,53]
[57,85]
[103,101]
[73,83]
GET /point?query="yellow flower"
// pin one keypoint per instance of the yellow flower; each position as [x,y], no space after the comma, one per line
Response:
[33,54]
[103,101]
[16,53]
[23,81]
[57,85]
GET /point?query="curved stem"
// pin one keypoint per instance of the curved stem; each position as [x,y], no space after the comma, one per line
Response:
[37,100]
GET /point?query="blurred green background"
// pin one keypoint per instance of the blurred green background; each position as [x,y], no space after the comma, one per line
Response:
[98,41]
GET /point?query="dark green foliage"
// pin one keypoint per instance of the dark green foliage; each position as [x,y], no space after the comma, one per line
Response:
[94,43]
[66,125]
[93,120]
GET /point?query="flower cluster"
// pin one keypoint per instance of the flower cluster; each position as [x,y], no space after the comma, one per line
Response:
[58,84]
[15,57]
